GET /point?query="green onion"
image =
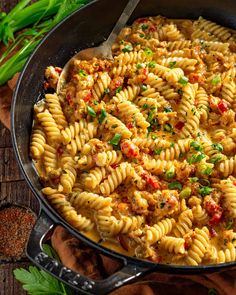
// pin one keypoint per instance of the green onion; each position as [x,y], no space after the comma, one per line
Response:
[148,52]
[216,80]
[218,147]
[170,173]
[115,139]
[152,64]
[102,116]
[229,224]
[144,27]
[175,185]
[91,112]
[204,191]
[185,193]
[82,73]
[127,48]
[150,116]
[140,66]
[172,64]
[207,171]
[168,109]
[196,158]
[183,80]
[144,87]
[215,159]
[118,89]
[196,145]
[157,151]
[162,204]
[106,91]
[168,127]
[96,102]
[193,179]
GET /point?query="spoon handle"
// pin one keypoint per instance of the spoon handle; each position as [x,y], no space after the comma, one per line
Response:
[131,5]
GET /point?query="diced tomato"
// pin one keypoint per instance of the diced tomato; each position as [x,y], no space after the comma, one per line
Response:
[179,125]
[145,72]
[123,242]
[88,96]
[195,78]
[129,125]
[69,99]
[212,232]
[60,151]
[222,106]
[152,29]
[151,180]
[114,166]
[186,245]
[216,218]
[211,207]
[58,70]
[116,82]
[234,183]
[142,20]
[129,149]
[46,85]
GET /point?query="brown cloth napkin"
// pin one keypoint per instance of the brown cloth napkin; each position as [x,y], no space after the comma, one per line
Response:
[84,260]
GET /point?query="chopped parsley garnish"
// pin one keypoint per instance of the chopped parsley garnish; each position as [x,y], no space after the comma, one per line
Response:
[148,51]
[91,112]
[118,89]
[215,159]
[142,35]
[82,73]
[102,116]
[218,147]
[115,139]
[168,109]
[152,64]
[150,116]
[127,48]
[172,64]
[183,80]
[196,145]
[196,158]
[205,190]
[216,80]
[175,185]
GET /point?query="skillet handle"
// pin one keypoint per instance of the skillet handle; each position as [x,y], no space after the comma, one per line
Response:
[83,284]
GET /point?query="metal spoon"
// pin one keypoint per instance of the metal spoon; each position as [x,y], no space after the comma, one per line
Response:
[104,50]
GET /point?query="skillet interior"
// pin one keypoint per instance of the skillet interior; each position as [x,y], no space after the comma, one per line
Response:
[84,28]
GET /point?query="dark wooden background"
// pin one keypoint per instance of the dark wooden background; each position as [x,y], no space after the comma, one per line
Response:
[13,189]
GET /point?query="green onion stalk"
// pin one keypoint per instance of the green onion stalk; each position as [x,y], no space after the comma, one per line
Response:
[43,15]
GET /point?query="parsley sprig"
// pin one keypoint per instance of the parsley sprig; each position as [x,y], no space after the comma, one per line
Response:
[39,282]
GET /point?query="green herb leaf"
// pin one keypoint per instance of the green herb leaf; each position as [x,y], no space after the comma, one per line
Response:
[127,48]
[144,27]
[102,116]
[216,80]
[196,145]
[215,159]
[218,147]
[175,185]
[157,151]
[172,64]
[140,66]
[183,80]
[116,139]
[91,112]
[205,190]
[148,52]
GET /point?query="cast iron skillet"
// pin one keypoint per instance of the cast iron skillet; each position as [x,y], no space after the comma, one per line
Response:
[86,27]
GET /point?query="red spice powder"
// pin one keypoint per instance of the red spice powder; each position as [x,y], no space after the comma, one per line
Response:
[15,226]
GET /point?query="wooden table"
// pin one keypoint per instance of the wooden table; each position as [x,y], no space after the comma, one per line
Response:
[13,189]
